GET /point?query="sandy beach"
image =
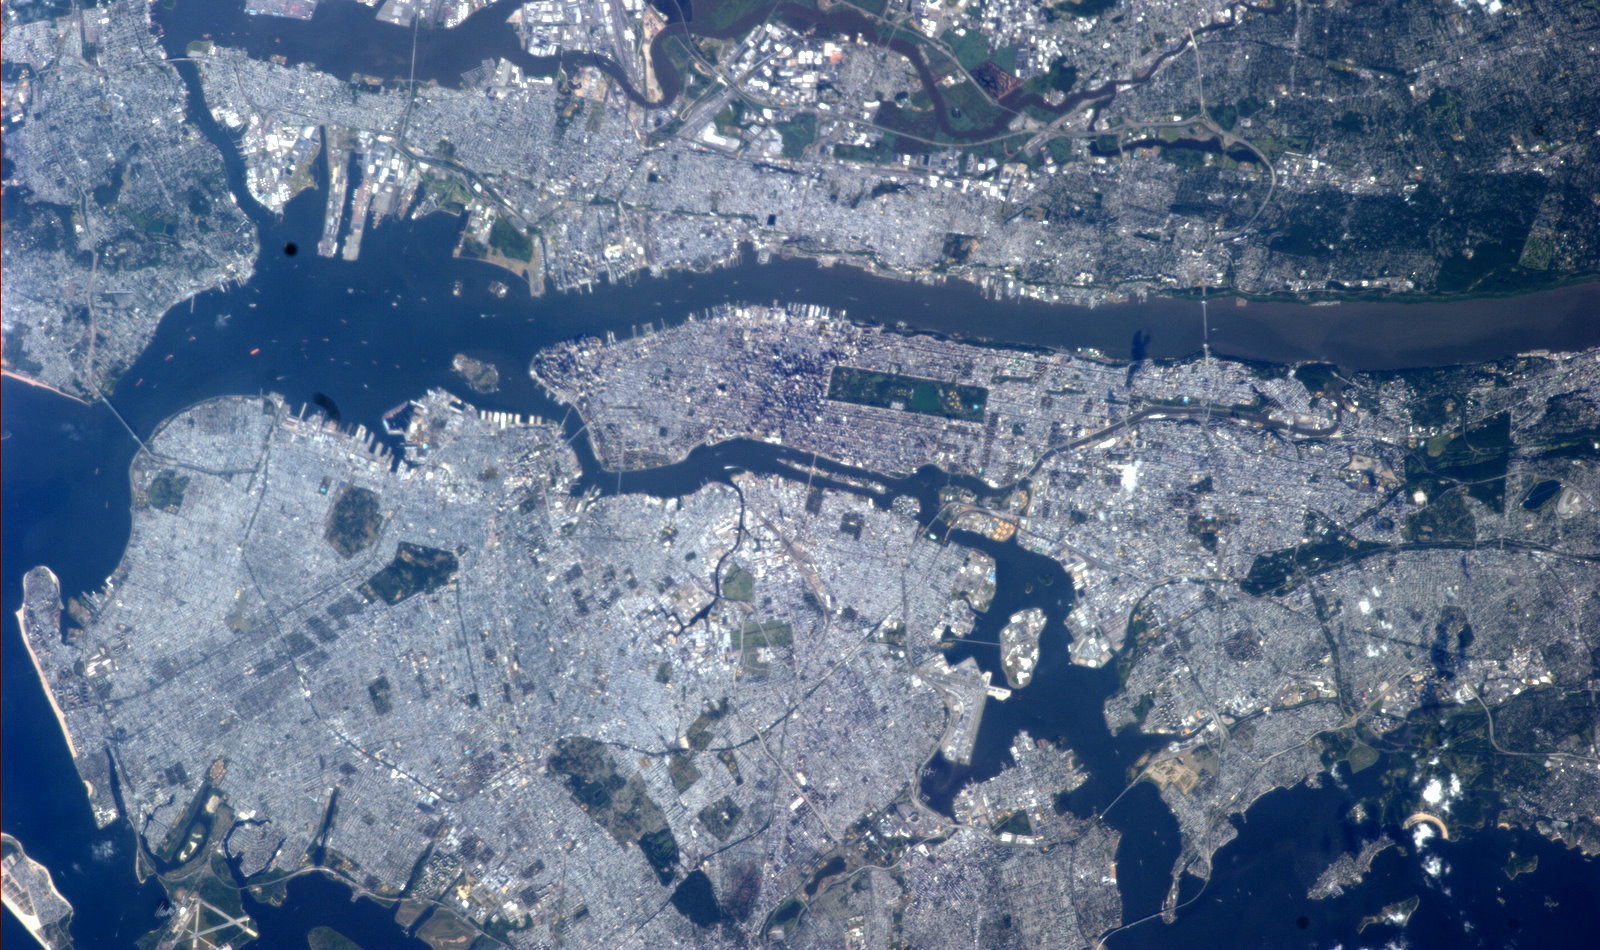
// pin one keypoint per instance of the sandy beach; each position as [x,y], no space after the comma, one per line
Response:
[25,378]
[27,640]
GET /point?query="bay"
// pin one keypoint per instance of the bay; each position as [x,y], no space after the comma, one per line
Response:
[361,337]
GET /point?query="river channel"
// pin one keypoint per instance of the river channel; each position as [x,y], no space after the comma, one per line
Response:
[358,338]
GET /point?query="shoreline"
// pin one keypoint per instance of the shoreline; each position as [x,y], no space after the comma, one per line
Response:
[27,641]
[31,922]
[9,373]
[1421,330]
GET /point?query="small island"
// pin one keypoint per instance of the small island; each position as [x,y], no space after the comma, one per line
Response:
[1393,915]
[1019,646]
[1348,869]
[482,376]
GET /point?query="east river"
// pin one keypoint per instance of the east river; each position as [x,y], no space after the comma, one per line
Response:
[361,337]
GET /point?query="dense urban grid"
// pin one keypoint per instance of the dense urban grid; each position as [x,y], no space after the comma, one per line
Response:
[734,655]
[1406,498]
[708,676]
[787,146]
[121,209]
[472,680]
[1081,152]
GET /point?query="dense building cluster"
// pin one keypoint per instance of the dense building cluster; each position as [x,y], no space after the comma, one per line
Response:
[1268,552]
[518,674]
[421,648]
[781,139]
[720,658]
[122,210]
[1078,156]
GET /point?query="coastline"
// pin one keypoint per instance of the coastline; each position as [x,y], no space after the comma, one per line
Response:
[30,921]
[1331,298]
[48,693]
[27,641]
[9,373]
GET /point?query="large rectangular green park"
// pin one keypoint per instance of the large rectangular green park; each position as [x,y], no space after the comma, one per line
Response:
[866,387]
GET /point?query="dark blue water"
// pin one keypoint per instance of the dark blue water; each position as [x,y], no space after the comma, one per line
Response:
[316,901]
[62,507]
[1257,894]
[364,336]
